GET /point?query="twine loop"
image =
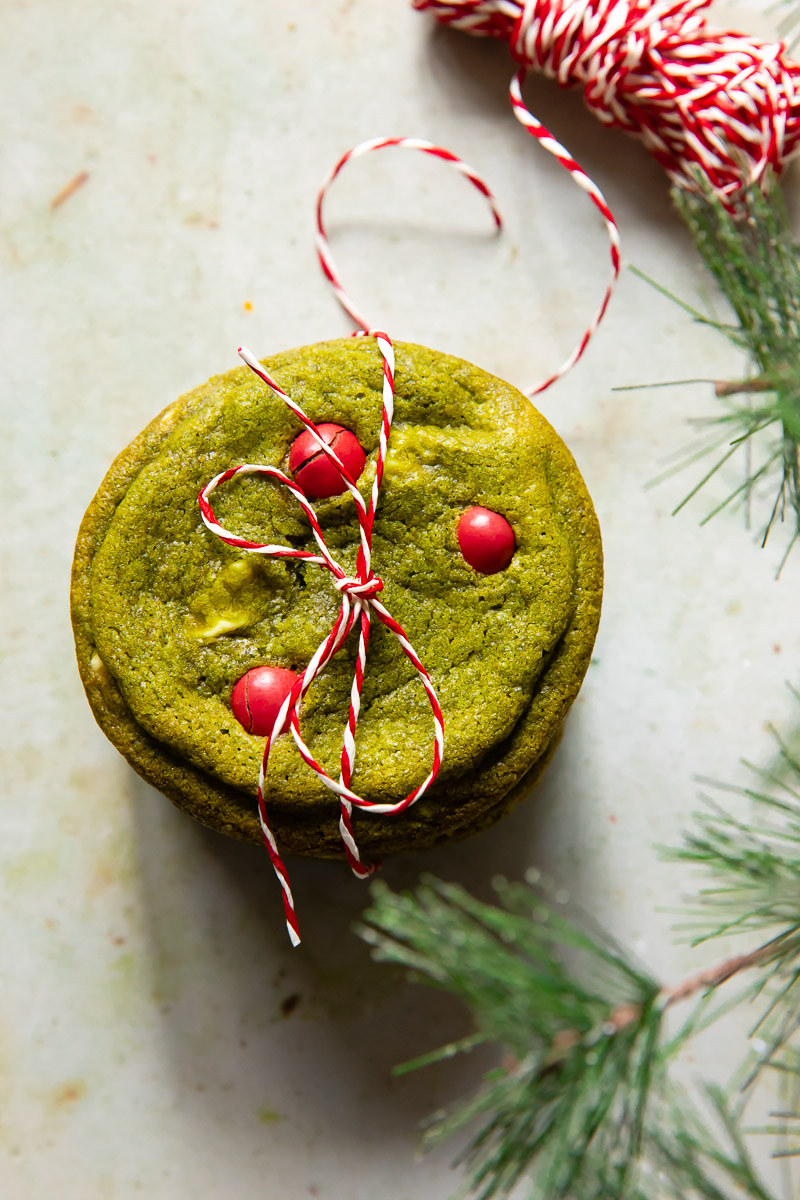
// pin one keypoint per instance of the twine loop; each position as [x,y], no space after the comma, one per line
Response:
[330,270]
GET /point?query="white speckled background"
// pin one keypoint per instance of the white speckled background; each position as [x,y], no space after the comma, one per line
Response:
[143,962]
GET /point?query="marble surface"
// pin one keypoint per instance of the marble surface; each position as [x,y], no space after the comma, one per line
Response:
[157,1034]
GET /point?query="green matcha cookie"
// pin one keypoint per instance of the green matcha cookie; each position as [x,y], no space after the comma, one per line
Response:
[168,618]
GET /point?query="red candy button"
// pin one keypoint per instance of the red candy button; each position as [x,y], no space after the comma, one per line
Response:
[258,696]
[486,539]
[314,471]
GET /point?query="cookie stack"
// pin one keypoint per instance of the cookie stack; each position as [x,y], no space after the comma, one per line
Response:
[489,551]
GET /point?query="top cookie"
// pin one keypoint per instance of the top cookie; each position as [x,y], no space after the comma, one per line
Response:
[168,618]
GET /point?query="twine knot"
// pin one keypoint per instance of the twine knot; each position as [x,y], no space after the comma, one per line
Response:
[362,589]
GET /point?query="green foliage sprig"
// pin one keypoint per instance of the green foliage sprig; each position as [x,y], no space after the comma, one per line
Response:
[583,1106]
[581,1039]
[753,858]
[753,258]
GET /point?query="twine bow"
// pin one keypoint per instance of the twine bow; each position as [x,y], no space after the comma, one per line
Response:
[359,602]
[358,593]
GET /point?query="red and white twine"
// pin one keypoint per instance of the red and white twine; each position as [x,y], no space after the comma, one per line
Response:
[721,105]
[549,143]
[332,275]
[329,269]
[359,602]
[359,593]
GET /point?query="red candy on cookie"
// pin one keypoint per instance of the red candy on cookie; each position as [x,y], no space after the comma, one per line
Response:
[258,696]
[314,471]
[486,539]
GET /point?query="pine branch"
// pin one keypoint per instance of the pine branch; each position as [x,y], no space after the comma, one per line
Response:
[752,858]
[713,977]
[754,260]
[583,1107]
[578,1020]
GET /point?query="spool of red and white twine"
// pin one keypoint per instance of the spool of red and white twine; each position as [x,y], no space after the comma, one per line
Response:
[721,106]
